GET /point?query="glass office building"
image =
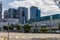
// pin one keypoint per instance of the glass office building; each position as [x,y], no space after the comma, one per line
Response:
[45,18]
[38,14]
[23,14]
[34,12]
[6,14]
[40,19]
[56,16]
[51,21]
[12,13]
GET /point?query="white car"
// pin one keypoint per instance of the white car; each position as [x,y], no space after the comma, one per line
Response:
[58,31]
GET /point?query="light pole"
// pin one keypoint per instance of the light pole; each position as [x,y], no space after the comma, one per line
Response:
[35,27]
[50,23]
[8,31]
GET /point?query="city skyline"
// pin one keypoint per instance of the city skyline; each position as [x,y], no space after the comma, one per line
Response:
[48,7]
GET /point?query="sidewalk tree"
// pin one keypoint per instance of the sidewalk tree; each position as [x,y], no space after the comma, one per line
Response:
[59,26]
[27,28]
[5,27]
[18,27]
[10,27]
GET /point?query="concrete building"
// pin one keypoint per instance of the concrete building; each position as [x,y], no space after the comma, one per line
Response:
[50,22]
[6,21]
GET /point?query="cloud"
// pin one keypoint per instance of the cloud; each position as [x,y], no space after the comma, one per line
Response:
[16,4]
[45,5]
[0,0]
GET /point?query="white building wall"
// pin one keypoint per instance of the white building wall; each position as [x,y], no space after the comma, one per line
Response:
[53,23]
[8,21]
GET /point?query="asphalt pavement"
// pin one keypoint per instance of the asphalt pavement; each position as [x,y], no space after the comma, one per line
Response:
[28,36]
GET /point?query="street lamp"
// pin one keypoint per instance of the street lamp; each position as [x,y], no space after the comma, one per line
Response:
[8,31]
[50,23]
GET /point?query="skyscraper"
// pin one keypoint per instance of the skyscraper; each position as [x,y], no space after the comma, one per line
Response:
[23,14]
[0,9]
[12,13]
[34,12]
[6,14]
[38,14]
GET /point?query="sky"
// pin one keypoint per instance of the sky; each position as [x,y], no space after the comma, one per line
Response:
[47,7]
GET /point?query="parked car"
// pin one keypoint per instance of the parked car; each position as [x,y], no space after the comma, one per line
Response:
[58,31]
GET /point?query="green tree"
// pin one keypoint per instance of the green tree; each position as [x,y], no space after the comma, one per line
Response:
[10,27]
[5,27]
[27,28]
[59,26]
[18,27]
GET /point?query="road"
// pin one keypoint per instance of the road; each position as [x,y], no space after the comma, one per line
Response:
[28,36]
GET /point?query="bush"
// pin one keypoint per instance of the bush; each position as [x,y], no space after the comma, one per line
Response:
[43,30]
[59,26]
[18,27]
[5,27]
[27,28]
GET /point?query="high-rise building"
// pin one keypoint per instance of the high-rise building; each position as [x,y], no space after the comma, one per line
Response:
[38,14]
[6,14]
[12,13]
[0,9]
[34,12]
[23,14]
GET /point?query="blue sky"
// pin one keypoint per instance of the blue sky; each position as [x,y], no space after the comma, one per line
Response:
[47,6]
[6,3]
